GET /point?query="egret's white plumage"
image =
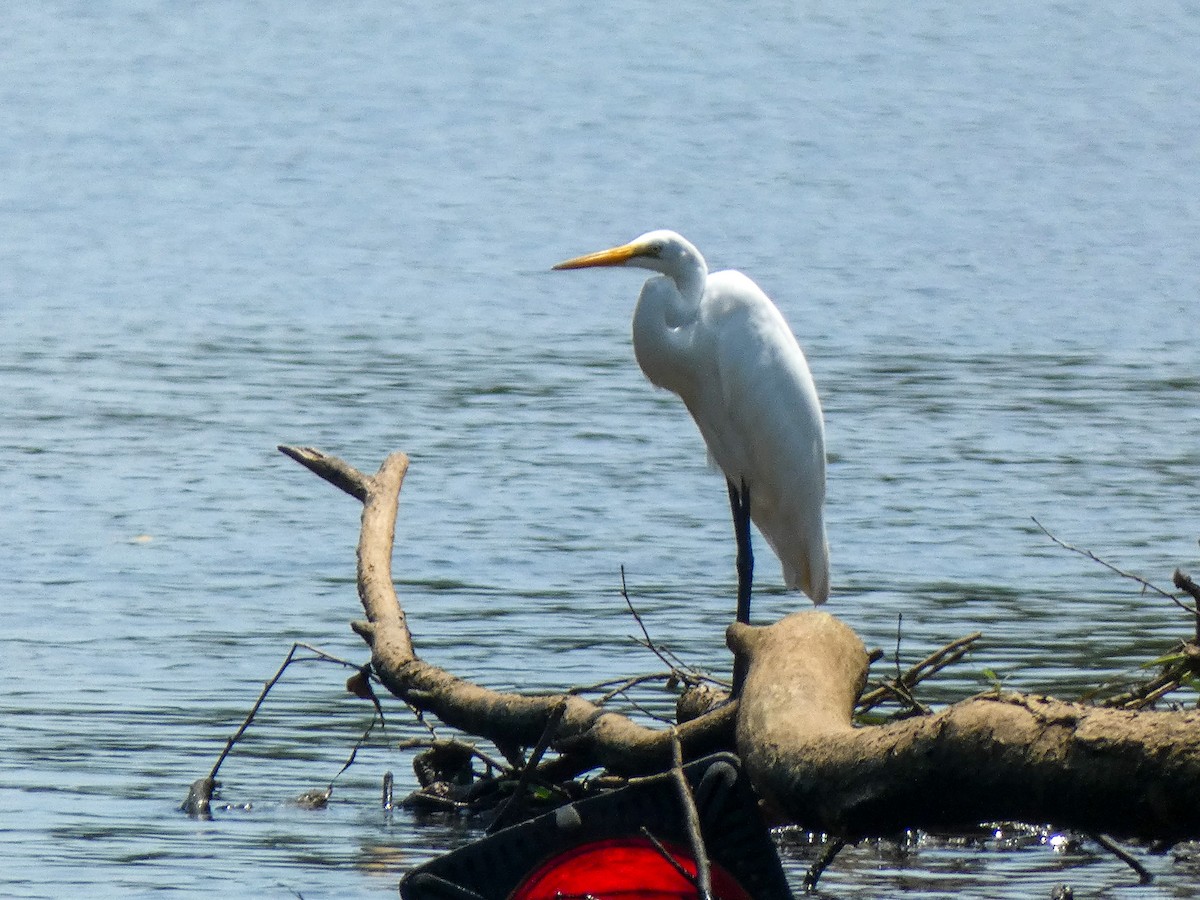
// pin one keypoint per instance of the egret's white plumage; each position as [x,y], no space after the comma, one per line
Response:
[721,344]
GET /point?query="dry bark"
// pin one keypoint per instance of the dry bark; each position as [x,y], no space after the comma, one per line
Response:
[591,733]
[995,757]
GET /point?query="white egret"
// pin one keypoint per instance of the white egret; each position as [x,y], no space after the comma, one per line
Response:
[721,344]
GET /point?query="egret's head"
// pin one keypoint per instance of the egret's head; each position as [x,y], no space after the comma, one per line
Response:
[662,251]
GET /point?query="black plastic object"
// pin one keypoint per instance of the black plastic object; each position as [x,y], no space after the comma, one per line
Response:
[735,837]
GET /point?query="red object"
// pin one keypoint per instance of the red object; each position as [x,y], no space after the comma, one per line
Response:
[628,868]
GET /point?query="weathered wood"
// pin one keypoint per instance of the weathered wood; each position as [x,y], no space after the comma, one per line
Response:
[608,739]
[991,758]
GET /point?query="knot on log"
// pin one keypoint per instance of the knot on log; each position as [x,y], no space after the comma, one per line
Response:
[804,674]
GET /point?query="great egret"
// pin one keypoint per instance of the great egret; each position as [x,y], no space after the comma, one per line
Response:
[721,344]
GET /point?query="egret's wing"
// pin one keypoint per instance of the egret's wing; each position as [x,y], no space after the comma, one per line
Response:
[764,425]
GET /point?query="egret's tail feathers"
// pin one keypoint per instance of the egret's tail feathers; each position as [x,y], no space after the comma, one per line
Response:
[810,573]
[817,584]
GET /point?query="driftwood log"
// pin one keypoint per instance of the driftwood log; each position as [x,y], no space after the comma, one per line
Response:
[990,758]
[998,757]
[587,734]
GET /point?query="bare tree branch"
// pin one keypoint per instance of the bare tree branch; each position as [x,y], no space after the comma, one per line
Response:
[1146,585]
[586,731]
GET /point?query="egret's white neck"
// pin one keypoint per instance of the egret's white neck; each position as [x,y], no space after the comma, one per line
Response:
[680,261]
[667,310]
[684,265]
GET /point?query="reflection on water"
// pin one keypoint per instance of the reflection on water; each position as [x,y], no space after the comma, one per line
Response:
[330,226]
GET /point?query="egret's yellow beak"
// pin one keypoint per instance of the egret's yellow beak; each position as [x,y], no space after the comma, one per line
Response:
[614,257]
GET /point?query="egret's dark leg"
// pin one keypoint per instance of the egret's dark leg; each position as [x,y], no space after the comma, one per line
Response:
[739,504]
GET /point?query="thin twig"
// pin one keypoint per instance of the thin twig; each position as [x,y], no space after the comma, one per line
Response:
[1146,585]
[316,799]
[422,796]
[683,671]
[899,631]
[1144,695]
[433,744]
[691,818]
[897,688]
[291,657]
[669,857]
[930,665]
[901,694]
[1182,664]
[647,641]
[614,686]
[321,656]
[354,751]
[649,713]
[514,803]
[1144,875]
[833,846]
[199,799]
[1155,695]
[619,691]
[624,683]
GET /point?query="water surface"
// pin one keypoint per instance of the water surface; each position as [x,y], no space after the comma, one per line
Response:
[227,227]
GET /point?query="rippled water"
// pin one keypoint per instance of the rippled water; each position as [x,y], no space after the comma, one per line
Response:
[226,227]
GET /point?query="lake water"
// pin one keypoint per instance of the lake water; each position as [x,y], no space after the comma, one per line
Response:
[227,226]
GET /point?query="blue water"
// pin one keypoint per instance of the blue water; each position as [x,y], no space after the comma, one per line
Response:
[227,226]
